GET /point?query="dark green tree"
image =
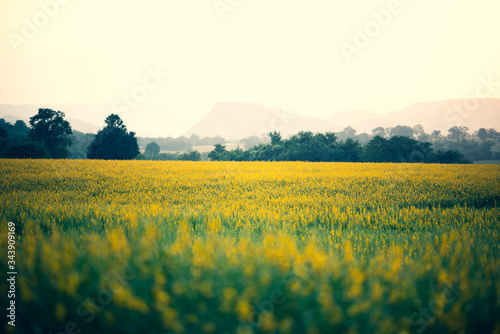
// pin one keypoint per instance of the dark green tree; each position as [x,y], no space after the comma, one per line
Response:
[275,138]
[113,142]
[219,153]
[21,127]
[3,133]
[331,138]
[4,142]
[238,155]
[396,149]
[448,157]
[27,149]
[49,128]
[404,149]
[350,150]
[19,130]
[377,150]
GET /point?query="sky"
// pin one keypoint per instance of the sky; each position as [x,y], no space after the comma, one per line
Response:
[163,64]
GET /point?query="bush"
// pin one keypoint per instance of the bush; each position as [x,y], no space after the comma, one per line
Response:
[27,150]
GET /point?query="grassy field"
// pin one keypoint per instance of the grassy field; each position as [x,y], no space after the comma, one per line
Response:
[255,247]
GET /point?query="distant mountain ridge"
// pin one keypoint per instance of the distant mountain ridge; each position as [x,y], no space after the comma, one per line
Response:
[237,120]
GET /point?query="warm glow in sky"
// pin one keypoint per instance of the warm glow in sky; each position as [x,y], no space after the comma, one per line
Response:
[282,53]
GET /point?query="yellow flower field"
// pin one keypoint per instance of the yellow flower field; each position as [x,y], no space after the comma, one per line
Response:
[252,247]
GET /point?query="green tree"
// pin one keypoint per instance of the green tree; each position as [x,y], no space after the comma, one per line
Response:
[482,134]
[378,131]
[435,135]
[4,133]
[457,133]
[238,155]
[152,149]
[275,138]
[349,132]
[113,142]
[448,157]
[190,156]
[349,150]
[49,128]
[21,127]
[396,149]
[27,149]
[401,131]
[4,141]
[420,134]
[19,130]
[219,153]
[80,142]
[493,134]
[376,150]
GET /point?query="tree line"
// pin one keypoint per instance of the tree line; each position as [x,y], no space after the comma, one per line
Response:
[49,135]
[319,147]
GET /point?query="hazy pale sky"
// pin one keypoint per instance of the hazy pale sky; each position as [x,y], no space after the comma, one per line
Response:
[311,57]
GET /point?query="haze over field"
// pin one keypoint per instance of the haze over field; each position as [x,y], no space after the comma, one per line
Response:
[164,66]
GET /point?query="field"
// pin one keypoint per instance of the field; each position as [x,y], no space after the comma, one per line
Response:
[200,247]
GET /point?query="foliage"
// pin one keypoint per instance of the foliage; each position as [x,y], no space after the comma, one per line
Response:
[348,132]
[80,143]
[49,128]
[319,147]
[152,149]
[27,149]
[397,149]
[401,131]
[17,130]
[167,156]
[218,153]
[457,133]
[482,145]
[173,247]
[448,157]
[482,134]
[113,142]
[190,156]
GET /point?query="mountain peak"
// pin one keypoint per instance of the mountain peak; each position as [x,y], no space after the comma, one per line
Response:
[236,120]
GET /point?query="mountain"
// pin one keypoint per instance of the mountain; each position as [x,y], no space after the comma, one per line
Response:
[442,115]
[12,113]
[435,115]
[236,120]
